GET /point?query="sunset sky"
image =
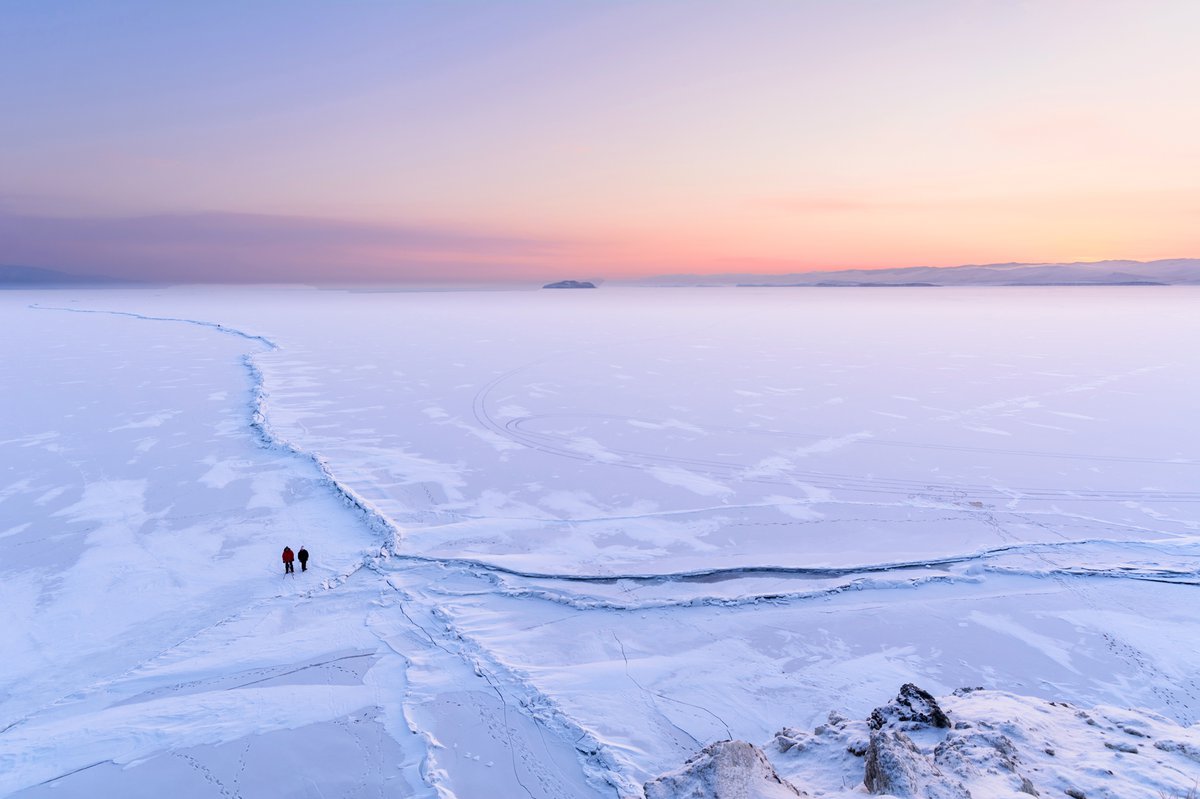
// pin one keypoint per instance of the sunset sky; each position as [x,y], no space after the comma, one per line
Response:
[423,141]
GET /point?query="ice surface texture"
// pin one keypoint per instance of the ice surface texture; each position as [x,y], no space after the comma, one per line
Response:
[563,541]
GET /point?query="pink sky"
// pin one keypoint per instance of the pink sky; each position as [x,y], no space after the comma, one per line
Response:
[496,141]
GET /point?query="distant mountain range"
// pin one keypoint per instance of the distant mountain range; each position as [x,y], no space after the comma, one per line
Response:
[1173,271]
[34,277]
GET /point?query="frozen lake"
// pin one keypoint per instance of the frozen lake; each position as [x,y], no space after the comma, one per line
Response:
[561,539]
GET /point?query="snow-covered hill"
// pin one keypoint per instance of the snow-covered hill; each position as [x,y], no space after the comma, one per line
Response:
[1171,271]
[973,743]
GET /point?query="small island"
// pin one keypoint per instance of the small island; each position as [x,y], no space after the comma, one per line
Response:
[570,284]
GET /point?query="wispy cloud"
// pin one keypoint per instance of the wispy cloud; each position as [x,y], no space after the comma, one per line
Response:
[233,247]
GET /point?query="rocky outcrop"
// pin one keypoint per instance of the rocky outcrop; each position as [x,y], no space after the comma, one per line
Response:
[723,770]
[570,284]
[973,744]
[912,708]
[895,766]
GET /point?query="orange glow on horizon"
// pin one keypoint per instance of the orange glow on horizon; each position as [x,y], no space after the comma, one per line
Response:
[766,137]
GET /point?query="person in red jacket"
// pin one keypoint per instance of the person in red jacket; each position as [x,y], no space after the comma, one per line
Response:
[288,557]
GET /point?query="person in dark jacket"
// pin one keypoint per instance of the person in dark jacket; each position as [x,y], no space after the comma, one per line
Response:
[303,557]
[288,557]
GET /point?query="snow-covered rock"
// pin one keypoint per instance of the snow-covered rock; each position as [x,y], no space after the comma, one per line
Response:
[912,708]
[723,770]
[998,745]
[895,766]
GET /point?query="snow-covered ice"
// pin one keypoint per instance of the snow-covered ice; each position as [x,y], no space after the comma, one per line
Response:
[564,541]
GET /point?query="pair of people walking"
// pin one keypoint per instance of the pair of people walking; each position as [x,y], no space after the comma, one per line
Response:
[289,557]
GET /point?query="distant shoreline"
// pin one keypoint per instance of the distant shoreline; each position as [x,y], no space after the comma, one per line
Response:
[926,285]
